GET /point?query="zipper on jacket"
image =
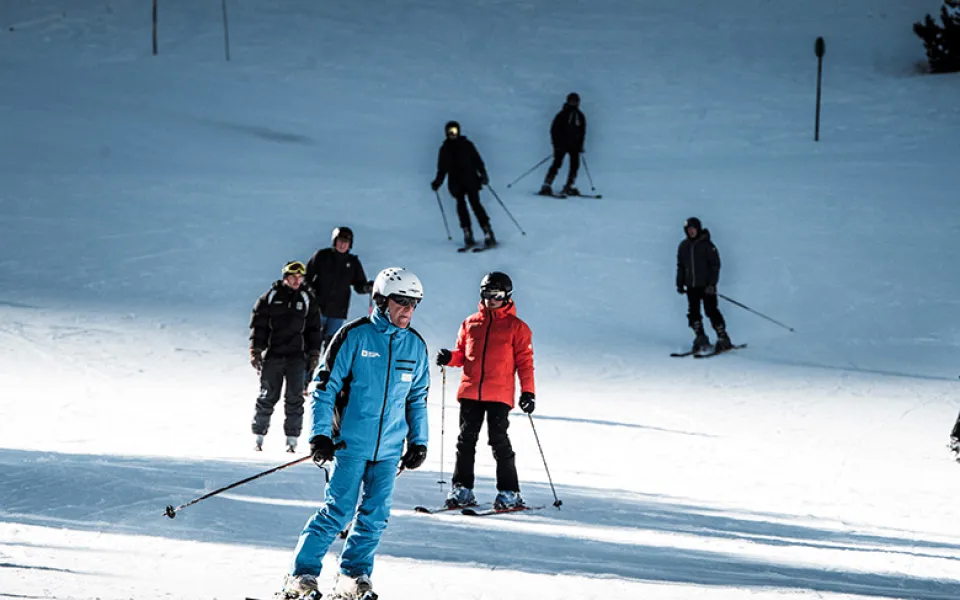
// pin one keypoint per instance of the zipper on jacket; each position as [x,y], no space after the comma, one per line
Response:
[483,358]
[386,392]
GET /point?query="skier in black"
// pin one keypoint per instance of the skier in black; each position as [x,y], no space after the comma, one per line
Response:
[284,327]
[460,160]
[955,439]
[330,273]
[698,272]
[567,133]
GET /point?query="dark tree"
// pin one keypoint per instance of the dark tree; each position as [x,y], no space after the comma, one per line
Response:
[942,43]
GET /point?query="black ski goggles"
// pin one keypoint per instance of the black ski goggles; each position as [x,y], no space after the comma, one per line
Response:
[494,295]
[405,301]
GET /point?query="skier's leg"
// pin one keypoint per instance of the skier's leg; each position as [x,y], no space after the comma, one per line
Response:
[713,312]
[463,214]
[695,319]
[375,502]
[271,383]
[497,425]
[339,505]
[294,372]
[574,168]
[471,420]
[482,219]
[554,167]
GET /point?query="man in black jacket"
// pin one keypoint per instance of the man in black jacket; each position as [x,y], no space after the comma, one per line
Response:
[460,161]
[285,326]
[567,133]
[330,273]
[698,272]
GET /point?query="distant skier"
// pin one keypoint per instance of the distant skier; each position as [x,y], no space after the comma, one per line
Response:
[955,439]
[494,347]
[284,344]
[567,133]
[698,272]
[371,394]
[330,273]
[460,160]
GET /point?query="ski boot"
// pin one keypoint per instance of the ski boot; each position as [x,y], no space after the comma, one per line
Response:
[723,340]
[570,190]
[507,500]
[488,240]
[545,190]
[701,343]
[299,587]
[468,241]
[354,588]
[291,444]
[258,443]
[460,497]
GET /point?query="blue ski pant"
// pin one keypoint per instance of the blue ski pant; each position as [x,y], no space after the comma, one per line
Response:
[354,480]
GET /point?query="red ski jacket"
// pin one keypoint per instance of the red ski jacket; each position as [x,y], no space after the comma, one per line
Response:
[494,347]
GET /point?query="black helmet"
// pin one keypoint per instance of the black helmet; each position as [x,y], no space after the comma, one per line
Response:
[451,127]
[573,99]
[693,222]
[341,232]
[496,282]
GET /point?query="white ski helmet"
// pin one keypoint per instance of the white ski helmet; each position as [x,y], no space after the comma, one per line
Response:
[397,281]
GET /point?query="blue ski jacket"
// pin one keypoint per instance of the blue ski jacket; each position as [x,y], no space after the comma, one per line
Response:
[371,390]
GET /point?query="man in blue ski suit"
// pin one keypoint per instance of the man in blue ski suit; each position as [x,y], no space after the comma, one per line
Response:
[370,394]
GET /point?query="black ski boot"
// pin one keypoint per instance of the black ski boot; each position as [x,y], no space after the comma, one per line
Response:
[546,190]
[954,446]
[569,190]
[488,240]
[723,340]
[468,241]
[701,342]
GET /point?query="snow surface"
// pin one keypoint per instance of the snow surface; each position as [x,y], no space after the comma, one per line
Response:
[147,201]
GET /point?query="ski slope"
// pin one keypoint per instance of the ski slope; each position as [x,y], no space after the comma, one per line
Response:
[147,201]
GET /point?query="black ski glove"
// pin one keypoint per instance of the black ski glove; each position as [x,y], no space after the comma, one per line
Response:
[321,447]
[414,456]
[367,287]
[527,403]
[256,359]
[444,357]
[484,180]
[681,290]
[435,184]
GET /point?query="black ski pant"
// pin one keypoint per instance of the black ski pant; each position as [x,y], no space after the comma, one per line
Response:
[956,429]
[274,372]
[464,214]
[471,419]
[694,297]
[558,155]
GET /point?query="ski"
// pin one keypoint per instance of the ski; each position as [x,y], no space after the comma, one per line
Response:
[484,248]
[473,512]
[440,509]
[465,249]
[681,354]
[562,196]
[716,352]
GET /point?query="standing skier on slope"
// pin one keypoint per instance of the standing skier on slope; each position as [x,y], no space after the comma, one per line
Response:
[460,160]
[330,273]
[493,347]
[284,326]
[698,272]
[371,394]
[567,134]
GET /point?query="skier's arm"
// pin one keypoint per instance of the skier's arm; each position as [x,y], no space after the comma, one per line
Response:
[441,167]
[680,277]
[313,268]
[555,134]
[523,357]
[582,134]
[417,403]
[260,324]
[312,333]
[458,355]
[359,278]
[713,262]
[334,369]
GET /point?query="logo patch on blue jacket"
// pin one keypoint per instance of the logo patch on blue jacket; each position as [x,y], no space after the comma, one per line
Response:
[369,354]
[406,376]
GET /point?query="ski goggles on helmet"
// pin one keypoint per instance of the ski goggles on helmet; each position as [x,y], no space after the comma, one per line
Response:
[492,294]
[405,301]
[294,268]
[453,131]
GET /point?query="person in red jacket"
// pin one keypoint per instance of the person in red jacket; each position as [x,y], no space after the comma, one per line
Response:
[494,347]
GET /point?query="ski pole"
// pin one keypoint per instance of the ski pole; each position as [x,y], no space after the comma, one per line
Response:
[556,501]
[507,210]
[586,170]
[171,512]
[759,314]
[443,418]
[531,170]
[443,214]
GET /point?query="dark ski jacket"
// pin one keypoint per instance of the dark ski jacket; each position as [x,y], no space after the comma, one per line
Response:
[330,275]
[698,262]
[460,161]
[285,322]
[569,129]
